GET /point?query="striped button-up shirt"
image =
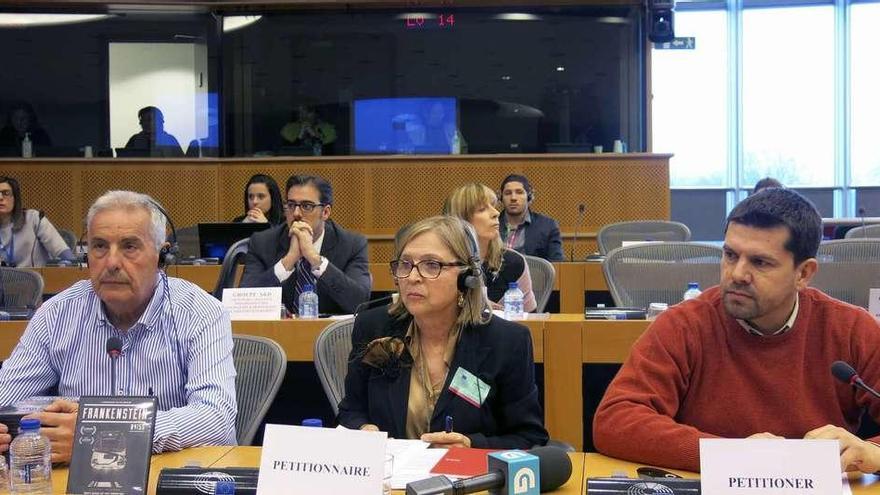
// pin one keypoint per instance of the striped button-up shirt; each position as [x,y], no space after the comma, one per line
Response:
[180,350]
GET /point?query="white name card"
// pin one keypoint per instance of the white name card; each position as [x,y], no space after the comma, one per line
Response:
[256,303]
[321,461]
[874,302]
[769,466]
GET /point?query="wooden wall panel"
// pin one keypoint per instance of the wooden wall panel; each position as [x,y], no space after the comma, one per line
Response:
[373,195]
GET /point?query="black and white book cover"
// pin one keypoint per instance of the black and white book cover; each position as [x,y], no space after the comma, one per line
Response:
[112,445]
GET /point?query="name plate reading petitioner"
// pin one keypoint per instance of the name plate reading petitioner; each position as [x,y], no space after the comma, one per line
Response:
[770,466]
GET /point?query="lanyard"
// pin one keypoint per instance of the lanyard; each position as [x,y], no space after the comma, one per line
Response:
[9,250]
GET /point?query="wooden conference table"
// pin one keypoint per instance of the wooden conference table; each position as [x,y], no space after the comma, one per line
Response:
[583,466]
[572,279]
[563,343]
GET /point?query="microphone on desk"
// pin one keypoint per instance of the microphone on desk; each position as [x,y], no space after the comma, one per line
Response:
[582,210]
[114,349]
[372,303]
[845,373]
[510,472]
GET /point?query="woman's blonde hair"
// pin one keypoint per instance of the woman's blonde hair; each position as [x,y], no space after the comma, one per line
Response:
[453,233]
[463,203]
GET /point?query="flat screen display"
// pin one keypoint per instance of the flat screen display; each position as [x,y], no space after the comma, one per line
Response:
[405,125]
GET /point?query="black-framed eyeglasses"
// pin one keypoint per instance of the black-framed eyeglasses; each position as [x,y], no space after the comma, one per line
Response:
[427,268]
[305,206]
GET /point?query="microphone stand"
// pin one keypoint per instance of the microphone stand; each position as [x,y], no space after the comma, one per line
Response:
[582,208]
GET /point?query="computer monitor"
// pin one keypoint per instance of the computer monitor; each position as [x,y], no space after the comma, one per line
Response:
[216,238]
[405,125]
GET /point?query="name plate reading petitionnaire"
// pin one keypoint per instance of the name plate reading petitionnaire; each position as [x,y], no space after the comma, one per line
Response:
[777,467]
[256,303]
[874,302]
[321,461]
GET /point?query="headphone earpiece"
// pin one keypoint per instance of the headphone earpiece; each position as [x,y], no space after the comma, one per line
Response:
[471,276]
[169,250]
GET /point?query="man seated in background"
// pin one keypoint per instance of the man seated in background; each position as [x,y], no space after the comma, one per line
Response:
[751,357]
[176,338]
[523,230]
[310,249]
[153,139]
[766,183]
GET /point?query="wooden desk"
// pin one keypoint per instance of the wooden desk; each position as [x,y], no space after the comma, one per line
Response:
[598,465]
[250,457]
[201,456]
[572,279]
[563,343]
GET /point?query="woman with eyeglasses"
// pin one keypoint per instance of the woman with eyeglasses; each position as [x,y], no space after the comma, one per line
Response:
[262,201]
[477,204]
[436,365]
[27,237]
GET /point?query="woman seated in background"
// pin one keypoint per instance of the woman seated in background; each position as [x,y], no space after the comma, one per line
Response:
[262,201]
[476,203]
[27,237]
[437,359]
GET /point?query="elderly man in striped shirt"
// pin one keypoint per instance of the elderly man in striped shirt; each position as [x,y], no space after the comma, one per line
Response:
[176,339]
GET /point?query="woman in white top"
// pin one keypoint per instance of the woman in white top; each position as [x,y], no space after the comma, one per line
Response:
[27,237]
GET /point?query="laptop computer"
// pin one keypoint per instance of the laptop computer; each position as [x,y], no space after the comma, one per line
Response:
[216,238]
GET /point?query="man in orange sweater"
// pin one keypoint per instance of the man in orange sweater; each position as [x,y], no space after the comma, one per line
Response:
[751,357]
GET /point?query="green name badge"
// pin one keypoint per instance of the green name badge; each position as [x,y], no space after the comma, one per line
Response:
[469,387]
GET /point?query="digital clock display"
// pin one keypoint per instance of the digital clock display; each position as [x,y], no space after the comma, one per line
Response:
[418,21]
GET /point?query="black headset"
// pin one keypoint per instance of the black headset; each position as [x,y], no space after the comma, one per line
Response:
[470,277]
[530,194]
[168,254]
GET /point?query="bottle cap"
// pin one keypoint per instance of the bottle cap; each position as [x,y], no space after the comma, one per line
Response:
[29,424]
[313,422]
[513,285]
[693,285]
[308,288]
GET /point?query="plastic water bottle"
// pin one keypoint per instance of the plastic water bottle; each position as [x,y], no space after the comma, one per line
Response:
[692,291]
[513,302]
[27,146]
[30,465]
[308,303]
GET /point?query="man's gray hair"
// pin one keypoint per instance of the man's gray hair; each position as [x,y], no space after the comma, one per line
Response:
[116,200]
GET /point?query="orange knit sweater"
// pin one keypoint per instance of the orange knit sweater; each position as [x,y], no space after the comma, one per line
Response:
[696,373]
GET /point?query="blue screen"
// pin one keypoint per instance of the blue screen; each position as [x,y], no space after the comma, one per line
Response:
[405,125]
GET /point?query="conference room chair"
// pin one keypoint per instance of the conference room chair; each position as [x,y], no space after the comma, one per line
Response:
[234,256]
[20,288]
[543,276]
[868,231]
[332,348]
[260,364]
[613,235]
[644,273]
[69,238]
[848,268]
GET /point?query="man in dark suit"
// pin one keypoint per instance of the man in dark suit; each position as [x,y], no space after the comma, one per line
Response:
[524,230]
[310,249]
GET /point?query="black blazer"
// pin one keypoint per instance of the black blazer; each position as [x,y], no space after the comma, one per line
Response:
[345,284]
[499,353]
[512,267]
[542,237]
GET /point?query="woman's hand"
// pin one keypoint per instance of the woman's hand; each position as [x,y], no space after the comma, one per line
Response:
[446,440]
[256,215]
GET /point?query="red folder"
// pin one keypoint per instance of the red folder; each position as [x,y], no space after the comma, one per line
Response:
[463,462]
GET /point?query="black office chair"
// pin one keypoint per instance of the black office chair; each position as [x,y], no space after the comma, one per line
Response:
[234,255]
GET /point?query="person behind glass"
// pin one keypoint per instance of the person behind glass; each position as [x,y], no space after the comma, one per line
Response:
[310,249]
[27,237]
[309,130]
[476,204]
[262,201]
[767,183]
[406,357]
[22,120]
[153,138]
[524,230]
